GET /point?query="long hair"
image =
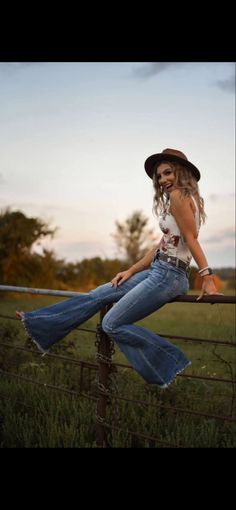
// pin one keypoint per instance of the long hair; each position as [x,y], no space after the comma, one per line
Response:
[185,182]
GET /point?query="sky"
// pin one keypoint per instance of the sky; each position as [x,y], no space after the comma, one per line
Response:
[74,137]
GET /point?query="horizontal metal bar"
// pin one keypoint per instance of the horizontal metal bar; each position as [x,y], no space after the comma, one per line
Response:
[214,298]
[198,340]
[183,299]
[87,330]
[85,364]
[47,292]
[47,385]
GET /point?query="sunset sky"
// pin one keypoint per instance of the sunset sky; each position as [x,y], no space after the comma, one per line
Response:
[74,137]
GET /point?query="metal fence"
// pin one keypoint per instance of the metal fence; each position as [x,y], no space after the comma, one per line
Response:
[107,393]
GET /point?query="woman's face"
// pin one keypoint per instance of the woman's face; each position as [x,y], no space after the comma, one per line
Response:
[166,177]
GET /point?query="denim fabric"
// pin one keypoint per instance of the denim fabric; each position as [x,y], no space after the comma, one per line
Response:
[153,357]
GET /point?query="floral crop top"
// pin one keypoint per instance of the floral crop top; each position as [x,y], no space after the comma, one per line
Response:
[173,242]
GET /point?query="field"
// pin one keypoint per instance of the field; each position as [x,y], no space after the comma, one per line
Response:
[37,416]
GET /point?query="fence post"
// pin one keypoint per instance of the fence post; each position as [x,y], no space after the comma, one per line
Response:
[104,357]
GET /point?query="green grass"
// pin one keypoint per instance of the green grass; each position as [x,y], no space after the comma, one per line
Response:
[35,416]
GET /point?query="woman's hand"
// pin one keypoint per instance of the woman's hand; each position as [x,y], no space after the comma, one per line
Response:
[121,277]
[208,287]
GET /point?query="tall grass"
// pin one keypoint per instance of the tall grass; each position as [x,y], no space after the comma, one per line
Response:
[34,416]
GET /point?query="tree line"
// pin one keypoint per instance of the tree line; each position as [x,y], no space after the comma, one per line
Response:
[22,265]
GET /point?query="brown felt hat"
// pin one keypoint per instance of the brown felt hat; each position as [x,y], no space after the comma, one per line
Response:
[170,155]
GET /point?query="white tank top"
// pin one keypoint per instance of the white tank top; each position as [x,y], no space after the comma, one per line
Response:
[173,243]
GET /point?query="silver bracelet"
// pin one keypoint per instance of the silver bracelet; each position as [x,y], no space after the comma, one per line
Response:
[206,272]
[201,270]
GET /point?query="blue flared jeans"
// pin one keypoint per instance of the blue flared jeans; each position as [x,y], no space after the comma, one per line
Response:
[156,359]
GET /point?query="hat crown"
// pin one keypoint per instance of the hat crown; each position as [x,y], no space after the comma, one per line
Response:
[175,152]
[170,155]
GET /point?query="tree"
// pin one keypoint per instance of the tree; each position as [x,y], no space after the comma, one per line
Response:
[18,234]
[132,237]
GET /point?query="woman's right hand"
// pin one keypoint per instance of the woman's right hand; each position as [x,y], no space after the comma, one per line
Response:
[208,287]
[121,277]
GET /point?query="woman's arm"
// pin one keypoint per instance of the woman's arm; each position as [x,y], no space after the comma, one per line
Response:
[184,217]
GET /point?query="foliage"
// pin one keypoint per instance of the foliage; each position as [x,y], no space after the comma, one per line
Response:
[132,237]
[18,236]
[228,275]
[21,265]
[89,273]
[19,233]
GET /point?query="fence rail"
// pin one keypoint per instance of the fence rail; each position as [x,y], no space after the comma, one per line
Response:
[105,367]
[66,293]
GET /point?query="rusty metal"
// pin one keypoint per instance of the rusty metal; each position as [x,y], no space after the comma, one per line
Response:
[65,293]
[69,359]
[81,380]
[212,299]
[30,290]
[46,385]
[199,340]
[104,358]
[174,408]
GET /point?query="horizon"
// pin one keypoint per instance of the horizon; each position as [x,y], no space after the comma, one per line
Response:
[75,135]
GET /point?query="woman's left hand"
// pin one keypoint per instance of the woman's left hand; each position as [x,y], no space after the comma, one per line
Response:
[208,287]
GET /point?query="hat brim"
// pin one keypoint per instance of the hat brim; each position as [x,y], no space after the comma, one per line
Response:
[158,158]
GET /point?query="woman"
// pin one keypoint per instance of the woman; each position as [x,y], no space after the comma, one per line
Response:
[156,279]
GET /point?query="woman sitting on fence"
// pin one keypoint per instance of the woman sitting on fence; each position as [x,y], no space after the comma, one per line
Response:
[159,277]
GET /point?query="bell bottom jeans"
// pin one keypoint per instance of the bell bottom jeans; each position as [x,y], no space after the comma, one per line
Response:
[156,359]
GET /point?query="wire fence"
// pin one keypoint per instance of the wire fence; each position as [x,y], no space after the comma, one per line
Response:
[105,393]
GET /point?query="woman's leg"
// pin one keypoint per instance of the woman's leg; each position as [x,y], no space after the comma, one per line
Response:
[48,325]
[155,359]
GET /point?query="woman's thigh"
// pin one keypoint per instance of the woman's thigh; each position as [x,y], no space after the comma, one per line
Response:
[108,294]
[159,287]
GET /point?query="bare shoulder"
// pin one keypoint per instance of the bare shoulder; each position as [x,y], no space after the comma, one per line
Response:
[175,195]
[177,198]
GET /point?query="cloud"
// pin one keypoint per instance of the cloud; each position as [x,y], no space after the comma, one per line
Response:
[10,68]
[214,197]
[77,250]
[155,68]
[227,85]
[223,237]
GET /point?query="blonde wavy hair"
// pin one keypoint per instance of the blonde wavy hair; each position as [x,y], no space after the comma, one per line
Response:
[185,182]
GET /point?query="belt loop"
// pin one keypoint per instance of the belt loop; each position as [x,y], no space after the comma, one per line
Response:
[177,263]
